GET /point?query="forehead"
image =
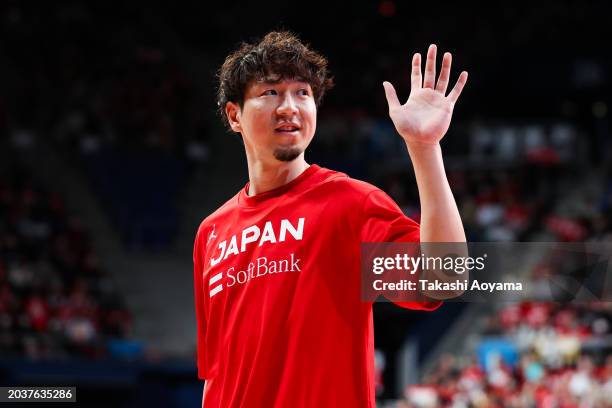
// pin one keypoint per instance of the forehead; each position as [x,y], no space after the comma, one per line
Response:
[275,80]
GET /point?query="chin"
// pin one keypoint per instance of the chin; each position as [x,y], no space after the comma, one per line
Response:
[287,154]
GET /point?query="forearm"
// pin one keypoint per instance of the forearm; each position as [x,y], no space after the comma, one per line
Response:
[440,219]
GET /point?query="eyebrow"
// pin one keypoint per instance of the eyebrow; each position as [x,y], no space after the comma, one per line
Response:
[270,80]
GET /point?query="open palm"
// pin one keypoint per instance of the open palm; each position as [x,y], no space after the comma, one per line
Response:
[427,114]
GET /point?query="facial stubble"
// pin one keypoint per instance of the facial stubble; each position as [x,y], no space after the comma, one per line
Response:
[286,154]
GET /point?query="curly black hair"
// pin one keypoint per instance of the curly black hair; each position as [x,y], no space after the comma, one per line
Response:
[279,55]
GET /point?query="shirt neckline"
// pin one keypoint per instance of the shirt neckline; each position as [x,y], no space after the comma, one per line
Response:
[250,201]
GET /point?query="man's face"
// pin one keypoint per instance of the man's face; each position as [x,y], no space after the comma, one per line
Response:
[277,120]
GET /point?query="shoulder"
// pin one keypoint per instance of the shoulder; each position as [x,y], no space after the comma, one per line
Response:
[345,187]
[346,198]
[357,195]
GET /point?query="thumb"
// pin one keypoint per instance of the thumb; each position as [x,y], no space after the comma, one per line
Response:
[391,95]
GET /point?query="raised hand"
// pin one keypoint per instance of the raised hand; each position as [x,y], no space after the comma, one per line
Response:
[426,116]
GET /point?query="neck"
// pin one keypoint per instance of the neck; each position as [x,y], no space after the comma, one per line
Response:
[268,176]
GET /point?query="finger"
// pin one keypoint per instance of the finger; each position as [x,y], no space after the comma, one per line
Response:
[444,73]
[392,99]
[456,91]
[430,68]
[415,76]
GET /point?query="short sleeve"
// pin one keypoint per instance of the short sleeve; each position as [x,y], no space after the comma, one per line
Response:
[199,304]
[384,221]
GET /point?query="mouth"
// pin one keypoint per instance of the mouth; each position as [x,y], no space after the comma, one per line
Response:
[287,129]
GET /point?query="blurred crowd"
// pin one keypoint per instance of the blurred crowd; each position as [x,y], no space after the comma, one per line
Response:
[55,299]
[111,96]
[562,353]
[88,82]
[94,79]
[108,85]
[525,201]
[554,356]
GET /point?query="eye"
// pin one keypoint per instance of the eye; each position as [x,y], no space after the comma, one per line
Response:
[303,92]
[269,92]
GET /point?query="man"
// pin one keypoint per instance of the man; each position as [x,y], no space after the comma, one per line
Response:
[276,268]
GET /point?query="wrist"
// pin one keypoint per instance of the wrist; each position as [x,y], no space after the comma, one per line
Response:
[420,148]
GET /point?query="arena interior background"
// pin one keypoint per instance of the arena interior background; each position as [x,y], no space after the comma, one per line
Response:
[111,154]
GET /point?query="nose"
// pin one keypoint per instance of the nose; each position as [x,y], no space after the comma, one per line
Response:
[287,105]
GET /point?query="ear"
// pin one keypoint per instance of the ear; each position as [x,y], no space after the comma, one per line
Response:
[232,112]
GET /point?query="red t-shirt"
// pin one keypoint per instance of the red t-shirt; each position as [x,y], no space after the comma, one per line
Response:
[280,320]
